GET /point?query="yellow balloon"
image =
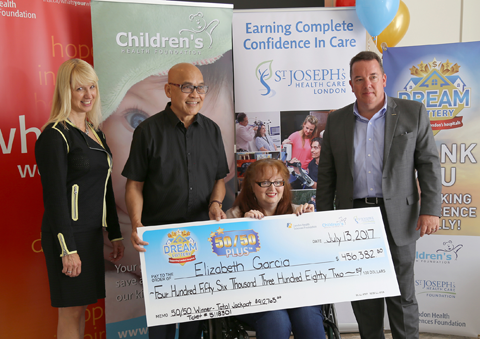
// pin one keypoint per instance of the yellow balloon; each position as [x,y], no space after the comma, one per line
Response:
[396,30]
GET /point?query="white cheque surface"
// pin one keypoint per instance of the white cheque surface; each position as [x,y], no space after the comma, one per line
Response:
[204,270]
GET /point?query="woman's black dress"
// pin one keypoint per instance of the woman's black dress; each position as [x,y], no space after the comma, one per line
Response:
[79,204]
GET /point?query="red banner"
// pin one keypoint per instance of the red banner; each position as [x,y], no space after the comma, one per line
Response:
[36,36]
[446,124]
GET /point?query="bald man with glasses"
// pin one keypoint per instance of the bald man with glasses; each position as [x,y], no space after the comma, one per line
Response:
[176,169]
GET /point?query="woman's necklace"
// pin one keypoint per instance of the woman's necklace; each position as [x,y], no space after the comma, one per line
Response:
[86,125]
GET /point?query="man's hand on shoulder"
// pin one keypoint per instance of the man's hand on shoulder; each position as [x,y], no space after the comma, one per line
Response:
[428,224]
[136,241]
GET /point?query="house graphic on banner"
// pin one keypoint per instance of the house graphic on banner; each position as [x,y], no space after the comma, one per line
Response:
[443,92]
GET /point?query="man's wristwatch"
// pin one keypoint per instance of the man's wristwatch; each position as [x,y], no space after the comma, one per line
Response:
[218,202]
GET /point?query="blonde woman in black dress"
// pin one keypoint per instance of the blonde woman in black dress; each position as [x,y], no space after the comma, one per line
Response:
[75,165]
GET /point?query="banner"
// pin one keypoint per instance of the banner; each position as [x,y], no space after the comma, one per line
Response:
[445,78]
[291,69]
[136,43]
[294,59]
[37,37]
[205,270]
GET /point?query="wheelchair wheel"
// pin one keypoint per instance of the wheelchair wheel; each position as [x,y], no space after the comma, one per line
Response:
[330,322]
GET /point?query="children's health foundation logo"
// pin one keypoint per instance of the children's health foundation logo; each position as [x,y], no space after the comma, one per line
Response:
[439,87]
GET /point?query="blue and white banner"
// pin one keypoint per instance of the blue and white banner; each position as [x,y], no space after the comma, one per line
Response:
[136,42]
[205,270]
[446,79]
[295,59]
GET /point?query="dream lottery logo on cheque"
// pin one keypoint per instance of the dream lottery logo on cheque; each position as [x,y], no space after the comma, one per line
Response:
[440,88]
[234,243]
[180,247]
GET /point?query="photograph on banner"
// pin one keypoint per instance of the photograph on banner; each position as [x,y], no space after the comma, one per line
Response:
[302,138]
[305,196]
[294,60]
[132,62]
[446,79]
[257,131]
[204,270]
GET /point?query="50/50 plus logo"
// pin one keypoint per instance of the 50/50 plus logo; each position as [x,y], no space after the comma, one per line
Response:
[327,81]
[443,92]
[235,243]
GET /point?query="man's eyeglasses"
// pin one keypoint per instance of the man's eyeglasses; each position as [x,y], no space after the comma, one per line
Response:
[188,88]
[277,183]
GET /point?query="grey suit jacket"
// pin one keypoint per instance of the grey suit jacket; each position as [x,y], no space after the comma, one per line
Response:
[409,145]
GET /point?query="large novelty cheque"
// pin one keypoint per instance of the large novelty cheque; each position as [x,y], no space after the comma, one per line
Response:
[206,270]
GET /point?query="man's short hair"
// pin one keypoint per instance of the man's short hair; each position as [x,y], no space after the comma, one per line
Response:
[317,139]
[241,117]
[366,56]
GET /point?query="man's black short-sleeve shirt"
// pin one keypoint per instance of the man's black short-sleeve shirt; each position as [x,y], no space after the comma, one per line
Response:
[178,167]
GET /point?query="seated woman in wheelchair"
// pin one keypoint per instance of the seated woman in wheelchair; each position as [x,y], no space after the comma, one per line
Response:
[265,192]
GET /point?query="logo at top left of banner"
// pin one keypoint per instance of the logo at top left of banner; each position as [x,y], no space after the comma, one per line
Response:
[180,247]
[196,32]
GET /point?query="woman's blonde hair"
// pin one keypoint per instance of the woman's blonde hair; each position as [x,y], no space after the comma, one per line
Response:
[71,74]
[314,121]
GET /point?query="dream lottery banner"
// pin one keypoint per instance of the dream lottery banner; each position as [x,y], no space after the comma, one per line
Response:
[446,79]
[136,43]
[293,59]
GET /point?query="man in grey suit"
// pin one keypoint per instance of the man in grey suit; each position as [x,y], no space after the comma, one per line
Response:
[372,152]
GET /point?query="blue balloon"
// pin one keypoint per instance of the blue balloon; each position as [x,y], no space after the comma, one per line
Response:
[376,15]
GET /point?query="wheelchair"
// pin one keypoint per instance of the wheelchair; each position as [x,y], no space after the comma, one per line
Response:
[232,328]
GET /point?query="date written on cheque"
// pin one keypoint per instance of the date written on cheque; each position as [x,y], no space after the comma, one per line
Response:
[361,255]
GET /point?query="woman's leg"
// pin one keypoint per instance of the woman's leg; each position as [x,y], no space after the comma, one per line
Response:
[71,322]
[307,322]
[82,323]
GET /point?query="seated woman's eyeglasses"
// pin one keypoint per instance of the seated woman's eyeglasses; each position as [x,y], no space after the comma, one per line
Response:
[277,183]
[188,88]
